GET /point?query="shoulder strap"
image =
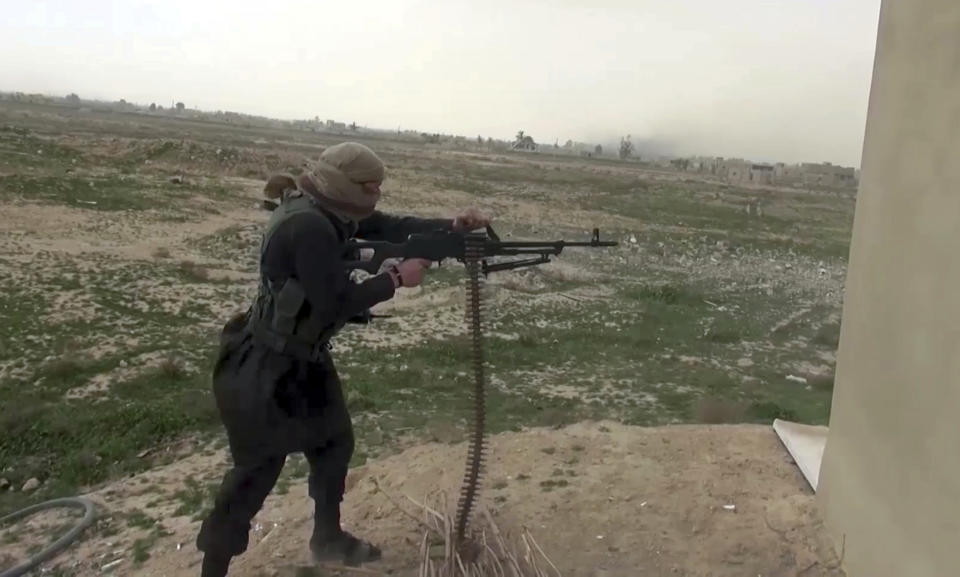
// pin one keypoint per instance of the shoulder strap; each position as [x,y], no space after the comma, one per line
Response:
[292,203]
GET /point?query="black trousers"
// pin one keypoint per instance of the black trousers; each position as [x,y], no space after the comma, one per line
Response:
[225,532]
[273,406]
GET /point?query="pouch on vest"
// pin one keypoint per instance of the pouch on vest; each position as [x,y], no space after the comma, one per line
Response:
[287,306]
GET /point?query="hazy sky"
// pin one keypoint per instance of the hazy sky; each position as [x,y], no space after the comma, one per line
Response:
[776,80]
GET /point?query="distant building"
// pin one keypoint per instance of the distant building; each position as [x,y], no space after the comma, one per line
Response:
[740,171]
[761,174]
[827,174]
[705,164]
[734,170]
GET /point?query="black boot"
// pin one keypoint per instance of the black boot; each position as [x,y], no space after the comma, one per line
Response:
[214,565]
[343,548]
[331,544]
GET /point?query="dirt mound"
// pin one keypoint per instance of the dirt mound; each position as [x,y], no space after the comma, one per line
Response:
[600,498]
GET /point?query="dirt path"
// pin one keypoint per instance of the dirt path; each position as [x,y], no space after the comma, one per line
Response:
[602,499]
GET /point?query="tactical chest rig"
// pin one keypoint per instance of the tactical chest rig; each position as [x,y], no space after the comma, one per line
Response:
[280,317]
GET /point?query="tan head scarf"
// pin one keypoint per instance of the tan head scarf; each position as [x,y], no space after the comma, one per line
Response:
[336,180]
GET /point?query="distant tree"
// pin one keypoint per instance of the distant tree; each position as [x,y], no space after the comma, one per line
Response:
[598,150]
[353,126]
[556,144]
[73,99]
[153,107]
[524,141]
[479,139]
[626,147]
[180,107]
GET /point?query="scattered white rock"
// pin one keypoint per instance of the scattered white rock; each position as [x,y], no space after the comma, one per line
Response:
[31,484]
[4,484]
[111,565]
[122,364]
[730,507]
[797,379]
[745,362]
[633,239]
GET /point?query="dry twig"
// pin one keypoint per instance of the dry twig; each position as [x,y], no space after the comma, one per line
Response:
[489,553]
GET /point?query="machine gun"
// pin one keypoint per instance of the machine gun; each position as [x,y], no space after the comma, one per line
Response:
[472,249]
[444,244]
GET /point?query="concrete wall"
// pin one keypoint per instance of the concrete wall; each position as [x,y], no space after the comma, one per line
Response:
[890,478]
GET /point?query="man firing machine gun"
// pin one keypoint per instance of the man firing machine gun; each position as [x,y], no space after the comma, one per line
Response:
[275,382]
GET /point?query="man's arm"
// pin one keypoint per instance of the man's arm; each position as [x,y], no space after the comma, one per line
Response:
[319,267]
[393,228]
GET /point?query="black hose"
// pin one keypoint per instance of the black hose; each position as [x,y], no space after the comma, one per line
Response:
[59,544]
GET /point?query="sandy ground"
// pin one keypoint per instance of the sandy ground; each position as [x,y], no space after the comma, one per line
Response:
[602,499]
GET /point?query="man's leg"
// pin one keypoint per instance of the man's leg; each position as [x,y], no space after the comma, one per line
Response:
[328,474]
[225,532]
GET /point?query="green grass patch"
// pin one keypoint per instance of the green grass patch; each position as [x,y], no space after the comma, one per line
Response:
[79,442]
[141,547]
[828,335]
[195,499]
[20,149]
[110,193]
[139,519]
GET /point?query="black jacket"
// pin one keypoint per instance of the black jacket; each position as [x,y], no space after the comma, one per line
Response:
[275,404]
[305,249]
